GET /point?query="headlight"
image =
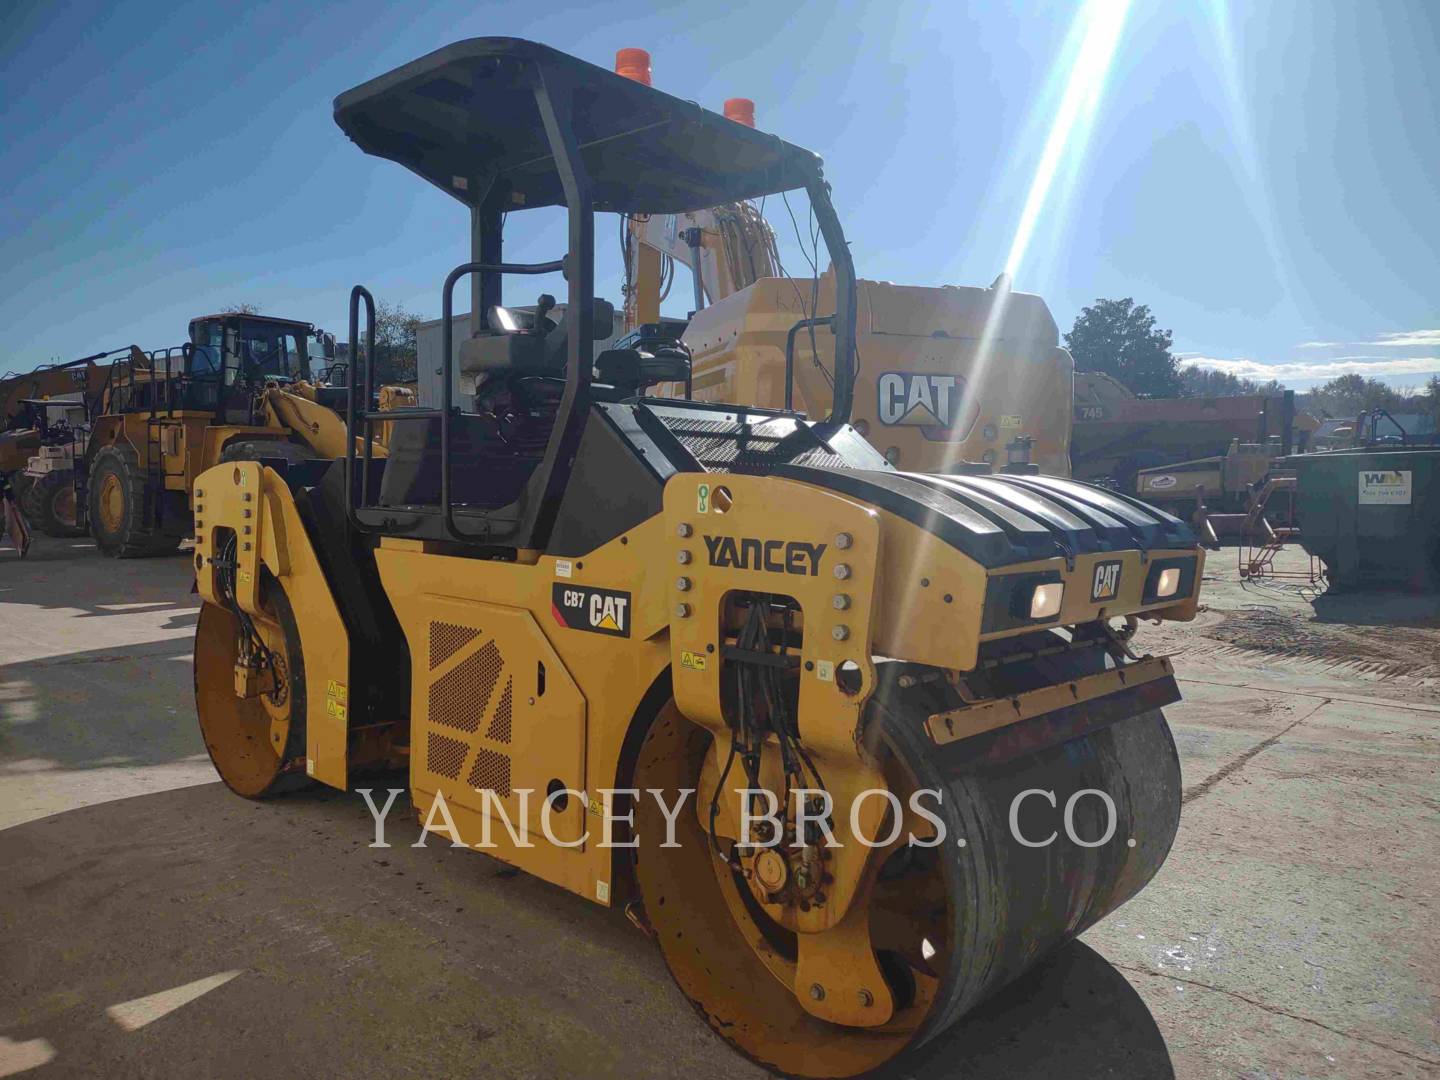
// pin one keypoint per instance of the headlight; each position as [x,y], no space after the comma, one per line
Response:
[1045,600]
[1168,583]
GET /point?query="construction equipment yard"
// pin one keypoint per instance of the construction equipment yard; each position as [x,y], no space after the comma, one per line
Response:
[1292,931]
[833,672]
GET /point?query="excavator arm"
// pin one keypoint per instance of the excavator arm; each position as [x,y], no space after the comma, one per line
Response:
[732,245]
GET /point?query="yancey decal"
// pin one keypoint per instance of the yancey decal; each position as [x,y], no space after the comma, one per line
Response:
[600,611]
[776,556]
[1106,583]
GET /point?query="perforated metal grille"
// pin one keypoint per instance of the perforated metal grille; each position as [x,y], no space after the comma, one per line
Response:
[446,639]
[458,698]
[725,446]
[491,770]
[444,755]
[499,728]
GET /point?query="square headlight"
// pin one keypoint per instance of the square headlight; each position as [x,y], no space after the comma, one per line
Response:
[1168,583]
[1045,600]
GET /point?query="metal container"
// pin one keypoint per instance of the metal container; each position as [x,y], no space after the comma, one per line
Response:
[1372,516]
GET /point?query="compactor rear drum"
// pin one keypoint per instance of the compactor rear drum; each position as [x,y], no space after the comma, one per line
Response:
[20,485]
[950,925]
[51,504]
[125,523]
[256,742]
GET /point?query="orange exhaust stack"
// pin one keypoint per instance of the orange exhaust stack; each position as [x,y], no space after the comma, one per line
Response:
[633,64]
[741,110]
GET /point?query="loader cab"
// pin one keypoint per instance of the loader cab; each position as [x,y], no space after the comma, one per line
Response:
[230,357]
[506,126]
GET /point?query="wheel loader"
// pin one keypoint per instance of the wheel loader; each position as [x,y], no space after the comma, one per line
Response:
[238,389]
[856,746]
[950,379]
[61,428]
[22,397]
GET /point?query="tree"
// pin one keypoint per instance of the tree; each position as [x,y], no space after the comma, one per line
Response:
[1352,394]
[1119,338]
[1210,383]
[1432,394]
[240,309]
[395,343]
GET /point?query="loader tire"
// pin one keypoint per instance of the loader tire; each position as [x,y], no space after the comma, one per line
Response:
[55,512]
[262,449]
[119,521]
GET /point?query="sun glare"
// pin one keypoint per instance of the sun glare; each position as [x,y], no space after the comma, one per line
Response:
[1102,22]
[1092,43]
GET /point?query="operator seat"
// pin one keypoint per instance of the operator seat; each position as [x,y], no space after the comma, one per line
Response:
[518,367]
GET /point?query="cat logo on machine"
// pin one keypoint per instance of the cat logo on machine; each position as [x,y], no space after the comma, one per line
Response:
[600,611]
[1106,583]
[918,398]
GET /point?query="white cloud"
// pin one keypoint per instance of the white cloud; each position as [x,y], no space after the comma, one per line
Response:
[1403,339]
[1410,339]
[1320,369]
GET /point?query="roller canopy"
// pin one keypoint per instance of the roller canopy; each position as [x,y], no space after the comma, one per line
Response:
[466,119]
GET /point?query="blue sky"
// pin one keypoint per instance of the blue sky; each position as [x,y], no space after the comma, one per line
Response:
[1266,176]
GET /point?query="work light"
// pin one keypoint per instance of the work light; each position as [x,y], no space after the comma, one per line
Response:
[1167,583]
[1045,600]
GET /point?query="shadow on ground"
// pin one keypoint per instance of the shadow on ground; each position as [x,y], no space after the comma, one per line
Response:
[1376,608]
[101,708]
[72,574]
[381,962]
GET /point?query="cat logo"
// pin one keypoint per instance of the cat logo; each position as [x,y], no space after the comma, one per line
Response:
[919,399]
[1106,583]
[600,611]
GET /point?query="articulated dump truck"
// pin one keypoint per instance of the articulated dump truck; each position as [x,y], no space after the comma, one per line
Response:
[857,746]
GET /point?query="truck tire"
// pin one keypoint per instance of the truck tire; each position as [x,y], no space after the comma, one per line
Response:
[261,449]
[55,512]
[118,518]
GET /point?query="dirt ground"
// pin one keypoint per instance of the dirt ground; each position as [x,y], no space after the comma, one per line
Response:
[152,925]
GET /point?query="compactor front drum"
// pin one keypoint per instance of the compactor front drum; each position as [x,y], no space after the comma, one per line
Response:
[949,925]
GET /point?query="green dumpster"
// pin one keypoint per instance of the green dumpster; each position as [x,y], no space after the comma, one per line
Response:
[1372,516]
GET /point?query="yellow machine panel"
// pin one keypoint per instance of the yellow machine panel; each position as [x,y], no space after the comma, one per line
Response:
[945,375]
[495,711]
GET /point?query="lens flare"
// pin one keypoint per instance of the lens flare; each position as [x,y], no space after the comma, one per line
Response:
[1097,30]
[1102,21]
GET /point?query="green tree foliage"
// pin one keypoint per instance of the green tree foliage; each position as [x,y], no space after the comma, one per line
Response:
[1432,398]
[1119,338]
[240,309]
[1349,395]
[1207,382]
[395,343]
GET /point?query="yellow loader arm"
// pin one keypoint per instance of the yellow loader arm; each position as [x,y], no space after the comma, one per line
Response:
[318,426]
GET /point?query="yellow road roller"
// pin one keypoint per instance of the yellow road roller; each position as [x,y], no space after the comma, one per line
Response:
[857,746]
